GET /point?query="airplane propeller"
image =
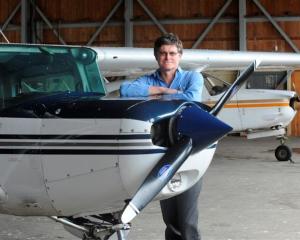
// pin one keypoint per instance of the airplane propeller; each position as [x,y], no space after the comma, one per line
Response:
[192,137]
[158,177]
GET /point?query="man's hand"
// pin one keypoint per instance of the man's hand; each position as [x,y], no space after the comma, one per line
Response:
[161,90]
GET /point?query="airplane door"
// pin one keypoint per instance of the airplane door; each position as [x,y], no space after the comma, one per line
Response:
[247,114]
[80,164]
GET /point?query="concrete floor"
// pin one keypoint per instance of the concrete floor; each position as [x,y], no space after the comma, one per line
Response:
[247,194]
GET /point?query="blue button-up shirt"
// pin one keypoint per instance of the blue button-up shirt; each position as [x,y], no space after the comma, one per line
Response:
[188,83]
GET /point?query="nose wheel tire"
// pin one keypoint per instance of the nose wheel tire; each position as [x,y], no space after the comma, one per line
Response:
[283,153]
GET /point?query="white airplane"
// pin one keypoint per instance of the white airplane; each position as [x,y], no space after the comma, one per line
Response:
[91,162]
[254,112]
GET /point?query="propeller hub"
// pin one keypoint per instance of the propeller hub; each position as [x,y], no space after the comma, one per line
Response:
[202,127]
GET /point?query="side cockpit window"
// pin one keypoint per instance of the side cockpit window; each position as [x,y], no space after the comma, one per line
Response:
[214,85]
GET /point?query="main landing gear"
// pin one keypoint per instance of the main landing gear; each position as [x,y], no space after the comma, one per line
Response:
[283,152]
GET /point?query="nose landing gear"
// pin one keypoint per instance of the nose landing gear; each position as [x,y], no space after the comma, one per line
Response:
[95,227]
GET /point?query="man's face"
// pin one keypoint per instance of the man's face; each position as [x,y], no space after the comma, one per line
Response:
[168,58]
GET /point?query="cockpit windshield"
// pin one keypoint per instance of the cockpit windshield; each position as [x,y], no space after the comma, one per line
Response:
[31,69]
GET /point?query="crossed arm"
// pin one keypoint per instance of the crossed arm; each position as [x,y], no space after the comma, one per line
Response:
[153,90]
[143,88]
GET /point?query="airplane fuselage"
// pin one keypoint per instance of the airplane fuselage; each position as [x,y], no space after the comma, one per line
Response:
[256,109]
[81,156]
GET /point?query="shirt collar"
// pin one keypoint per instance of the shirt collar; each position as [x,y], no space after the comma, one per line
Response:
[157,75]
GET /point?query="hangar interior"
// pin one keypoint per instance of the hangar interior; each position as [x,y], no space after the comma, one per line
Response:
[247,25]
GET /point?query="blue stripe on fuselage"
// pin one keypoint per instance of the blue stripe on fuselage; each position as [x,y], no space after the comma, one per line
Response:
[83,137]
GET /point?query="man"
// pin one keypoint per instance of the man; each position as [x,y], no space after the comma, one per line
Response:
[180,213]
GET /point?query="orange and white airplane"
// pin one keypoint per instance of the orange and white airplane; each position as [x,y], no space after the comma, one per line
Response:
[254,112]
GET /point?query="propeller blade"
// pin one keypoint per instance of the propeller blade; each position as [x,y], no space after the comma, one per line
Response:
[234,88]
[162,172]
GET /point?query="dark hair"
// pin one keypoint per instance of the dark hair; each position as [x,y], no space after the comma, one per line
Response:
[167,39]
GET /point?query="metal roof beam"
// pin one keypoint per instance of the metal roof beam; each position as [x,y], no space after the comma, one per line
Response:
[6,22]
[128,28]
[25,24]
[112,12]
[13,27]
[277,19]
[278,28]
[10,17]
[45,19]
[212,23]
[150,14]
[242,25]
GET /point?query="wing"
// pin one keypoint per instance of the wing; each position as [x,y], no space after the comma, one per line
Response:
[122,61]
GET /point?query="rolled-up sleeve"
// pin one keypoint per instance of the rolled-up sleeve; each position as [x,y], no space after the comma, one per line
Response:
[137,88]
